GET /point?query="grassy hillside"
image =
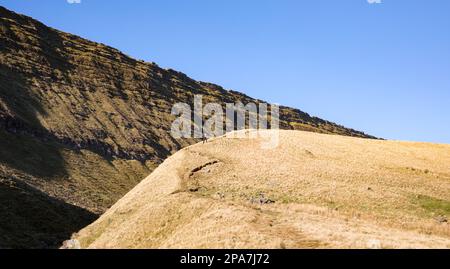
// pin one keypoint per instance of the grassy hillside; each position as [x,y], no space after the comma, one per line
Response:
[313,191]
[83,123]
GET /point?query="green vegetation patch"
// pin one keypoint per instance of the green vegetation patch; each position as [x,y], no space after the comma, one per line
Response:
[434,205]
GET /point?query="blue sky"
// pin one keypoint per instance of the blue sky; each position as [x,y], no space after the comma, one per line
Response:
[380,68]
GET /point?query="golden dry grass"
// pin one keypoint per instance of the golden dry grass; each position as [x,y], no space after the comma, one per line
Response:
[313,191]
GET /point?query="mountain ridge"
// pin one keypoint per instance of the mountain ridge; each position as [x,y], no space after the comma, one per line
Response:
[84,123]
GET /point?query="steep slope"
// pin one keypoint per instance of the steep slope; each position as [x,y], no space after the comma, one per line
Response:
[313,191]
[83,123]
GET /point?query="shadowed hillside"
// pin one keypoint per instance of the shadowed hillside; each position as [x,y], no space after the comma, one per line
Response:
[33,219]
[83,123]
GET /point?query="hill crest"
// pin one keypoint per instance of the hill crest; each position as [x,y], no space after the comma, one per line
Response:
[312,191]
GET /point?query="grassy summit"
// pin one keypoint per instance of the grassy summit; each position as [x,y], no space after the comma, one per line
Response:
[313,191]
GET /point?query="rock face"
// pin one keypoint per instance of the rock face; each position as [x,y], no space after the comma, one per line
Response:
[84,123]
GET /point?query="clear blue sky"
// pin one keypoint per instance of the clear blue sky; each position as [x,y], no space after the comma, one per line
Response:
[380,68]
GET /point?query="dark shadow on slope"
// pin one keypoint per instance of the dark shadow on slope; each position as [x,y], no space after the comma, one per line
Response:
[31,219]
[31,156]
[24,143]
